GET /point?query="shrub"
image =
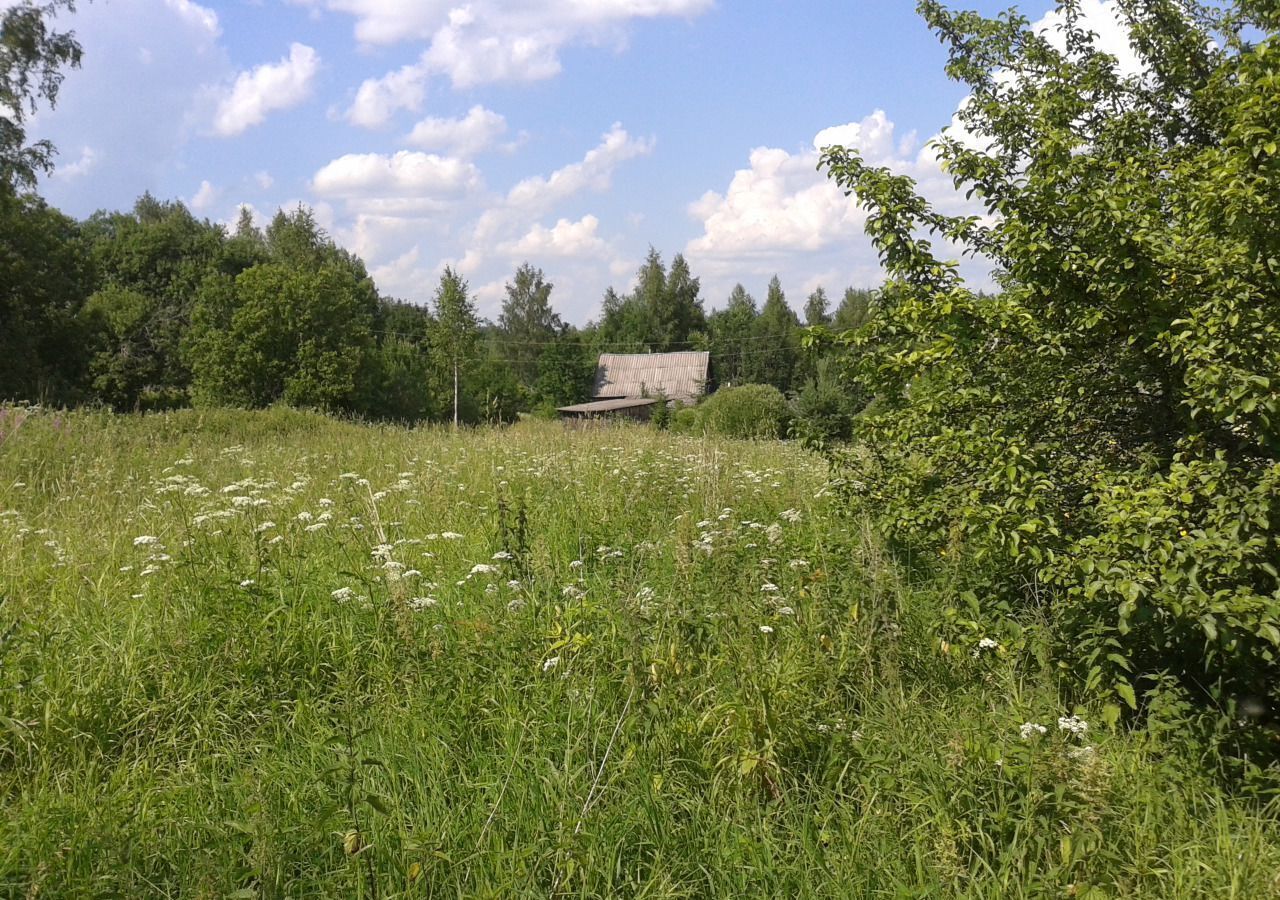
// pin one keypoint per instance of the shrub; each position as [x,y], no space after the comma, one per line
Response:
[1098,444]
[748,411]
[686,420]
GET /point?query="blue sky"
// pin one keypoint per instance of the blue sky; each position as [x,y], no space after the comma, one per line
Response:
[571,133]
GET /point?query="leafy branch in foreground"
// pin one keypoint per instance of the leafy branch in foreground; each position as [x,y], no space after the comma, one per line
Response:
[1105,431]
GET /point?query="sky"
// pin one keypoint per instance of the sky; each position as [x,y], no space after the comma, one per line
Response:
[572,134]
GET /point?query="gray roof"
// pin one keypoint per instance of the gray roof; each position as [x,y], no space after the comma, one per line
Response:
[678,376]
[601,406]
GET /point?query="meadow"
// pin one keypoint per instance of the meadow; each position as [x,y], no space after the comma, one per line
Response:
[278,655]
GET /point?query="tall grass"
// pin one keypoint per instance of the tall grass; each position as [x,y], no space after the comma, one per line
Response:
[262,655]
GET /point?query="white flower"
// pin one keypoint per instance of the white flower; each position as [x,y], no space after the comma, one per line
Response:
[988,644]
[503,554]
[576,564]
[420,603]
[265,526]
[241,501]
[514,584]
[774,533]
[766,629]
[1073,724]
[791,515]
[786,611]
[551,664]
[1031,728]
[451,535]
[248,582]
[769,588]
[343,594]
[325,502]
[304,516]
[483,569]
[572,592]
[145,540]
[348,476]
[799,564]
[1081,754]
[315,526]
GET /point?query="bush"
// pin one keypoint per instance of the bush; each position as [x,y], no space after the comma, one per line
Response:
[686,420]
[824,409]
[1096,446]
[748,411]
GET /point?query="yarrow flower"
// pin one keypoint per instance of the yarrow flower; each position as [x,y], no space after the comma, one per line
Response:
[766,629]
[551,664]
[1073,724]
[1031,728]
[145,540]
[343,594]
[503,554]
[769,587]
[482,569]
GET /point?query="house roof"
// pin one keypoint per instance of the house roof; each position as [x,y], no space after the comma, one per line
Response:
[678,376]
[603,406]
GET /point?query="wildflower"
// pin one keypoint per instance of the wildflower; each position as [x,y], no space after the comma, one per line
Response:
[987,644]
[304,516]
[483,569]
[502,554]
[145,540]
[343,594]
[769,588]
[786,611]
[240,501]
[420,603]
[248,583]
[551,664]
[451,535]
[149,570]
[325,502]
[316,526]
[774,533]
[1073,724]
[1031,728]
[265,526]
[1081,754]
[514,584]
[410,573]
[791,515]
[348,476]
[572,592]
[766,629]
[576,564]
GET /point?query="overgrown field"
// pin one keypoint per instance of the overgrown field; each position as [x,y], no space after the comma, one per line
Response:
[274,655]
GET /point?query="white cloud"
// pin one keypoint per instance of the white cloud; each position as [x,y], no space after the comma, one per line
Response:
[378,99]
[204,197]
[265,89]
[473,133]
[564,239]
[82,166]
[484,41]
[403,175]
[197,15]
[264,180]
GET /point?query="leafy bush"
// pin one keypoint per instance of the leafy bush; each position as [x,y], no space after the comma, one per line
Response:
[686,420]
[748,411]
[1100,441]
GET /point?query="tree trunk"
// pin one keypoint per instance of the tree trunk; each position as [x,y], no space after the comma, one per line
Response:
[455,393]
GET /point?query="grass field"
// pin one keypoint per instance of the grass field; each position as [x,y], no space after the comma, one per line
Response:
[275,655]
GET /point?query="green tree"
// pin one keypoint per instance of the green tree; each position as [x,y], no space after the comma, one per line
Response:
[277,333]
[776,347]
[457,330]
[680,319]
[32,59]
[1103,434]
[566,370]
[44,280]
[527,324]
[854,309]
[732,330]
[817,308]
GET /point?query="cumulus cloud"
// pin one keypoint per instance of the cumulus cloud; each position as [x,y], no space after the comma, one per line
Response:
[564,239]
[406,174]
[265,89]
[378,99]
[204,197]
[197,15]
[483,42]
[81,167]
[473,133]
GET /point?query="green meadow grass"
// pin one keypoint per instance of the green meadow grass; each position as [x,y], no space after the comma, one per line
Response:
[274,655]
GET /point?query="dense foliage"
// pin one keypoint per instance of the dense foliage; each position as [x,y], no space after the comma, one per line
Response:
[1096,446]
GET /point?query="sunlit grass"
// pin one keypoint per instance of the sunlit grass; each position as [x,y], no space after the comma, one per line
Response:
[276,655]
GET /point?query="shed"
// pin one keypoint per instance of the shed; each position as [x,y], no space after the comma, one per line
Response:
[677,376]
[635,408]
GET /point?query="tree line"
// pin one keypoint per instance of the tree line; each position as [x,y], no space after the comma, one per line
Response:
[155,309]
